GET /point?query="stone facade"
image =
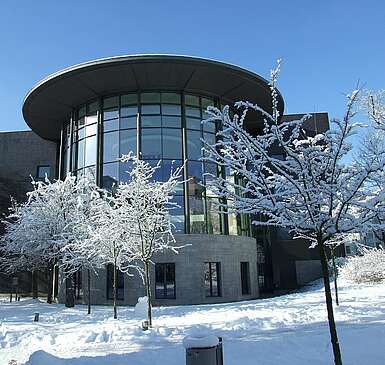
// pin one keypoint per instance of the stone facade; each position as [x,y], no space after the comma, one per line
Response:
[230,251]
[20,155]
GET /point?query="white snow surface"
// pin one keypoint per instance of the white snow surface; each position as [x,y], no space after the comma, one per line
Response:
[192,342]
[290,329]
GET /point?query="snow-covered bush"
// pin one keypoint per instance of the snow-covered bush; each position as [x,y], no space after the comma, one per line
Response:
[368,268]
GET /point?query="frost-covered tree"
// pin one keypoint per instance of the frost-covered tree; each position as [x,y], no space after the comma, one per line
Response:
[310,192]
[14,256]
[373,103]
[108,242]
[79,253]
[369,267]
[373,143]
[138,223]
[40,228]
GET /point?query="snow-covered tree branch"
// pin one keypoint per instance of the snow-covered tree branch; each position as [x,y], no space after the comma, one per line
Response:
[311,191]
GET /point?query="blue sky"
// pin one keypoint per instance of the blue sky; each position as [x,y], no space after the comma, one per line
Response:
[326,46]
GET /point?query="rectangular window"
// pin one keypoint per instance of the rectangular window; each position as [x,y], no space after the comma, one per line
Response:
[119,283]
[245,278]
[43,172]
[165,281]
[213,279]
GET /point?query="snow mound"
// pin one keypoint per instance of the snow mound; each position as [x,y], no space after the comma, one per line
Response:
[141,307]
[200,342]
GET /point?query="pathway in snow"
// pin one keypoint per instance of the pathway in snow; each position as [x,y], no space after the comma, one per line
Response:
[290,329]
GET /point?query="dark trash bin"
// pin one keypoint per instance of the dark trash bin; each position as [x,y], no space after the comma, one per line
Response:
[203,350]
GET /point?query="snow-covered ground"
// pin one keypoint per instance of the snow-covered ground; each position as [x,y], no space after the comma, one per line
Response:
[290,329]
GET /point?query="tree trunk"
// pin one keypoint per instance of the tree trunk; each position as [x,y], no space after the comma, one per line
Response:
[329,305]
[49,284]
[89,290]
[147,283]
[35,290]
[70,297]
[335,276]
[115,291]
[53,282]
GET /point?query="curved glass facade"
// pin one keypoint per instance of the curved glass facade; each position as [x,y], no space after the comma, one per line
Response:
[170,130]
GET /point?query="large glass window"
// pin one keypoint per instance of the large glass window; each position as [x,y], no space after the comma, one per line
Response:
[172,143]
[127,141]
[165,281]
[90,151]
[111,146]
[212,279]
[151,144]
[194,145]
[170,129]
[197,215]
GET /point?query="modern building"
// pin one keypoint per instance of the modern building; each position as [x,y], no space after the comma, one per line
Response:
[84,117]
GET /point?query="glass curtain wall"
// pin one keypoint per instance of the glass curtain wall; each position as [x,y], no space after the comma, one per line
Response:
[170,130]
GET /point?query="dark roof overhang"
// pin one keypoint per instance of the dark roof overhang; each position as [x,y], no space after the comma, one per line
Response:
[51,101]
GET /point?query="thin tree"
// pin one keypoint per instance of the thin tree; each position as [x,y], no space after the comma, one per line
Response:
[108,242]
[141,219]
[310,192]
[79,253]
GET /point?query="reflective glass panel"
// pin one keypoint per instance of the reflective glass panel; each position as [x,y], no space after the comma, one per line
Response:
[195,176]
[172,143]
[129,99]
[207,102]
[111,146]
[127,111]
[193,112]
[171,98]
[209,127]
[151,143]
[167,167]
[80,133]
[171,121]
[90,150]
[191,100]
[110,114]
[80,154]
[157,175]
[128,141]
[150,98]
[193,123]
[213,216]
[165,281]
[177,214]
[194,145]
[150,109]
[91,129]
[197,215]
[150,121]
[171,109]
[91,119]
[110,175]
[129,122]
[111,125]
[124,169]
[111,102]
